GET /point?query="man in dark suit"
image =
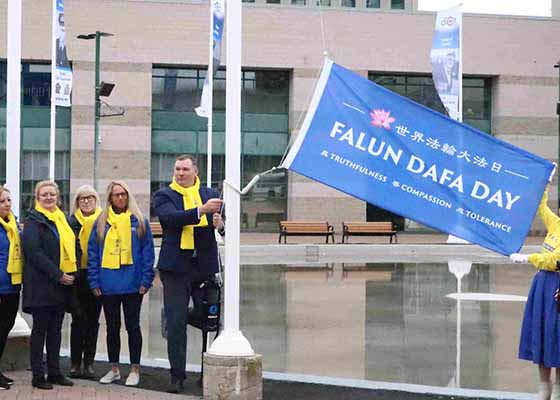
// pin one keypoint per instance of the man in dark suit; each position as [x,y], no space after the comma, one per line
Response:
[188,254]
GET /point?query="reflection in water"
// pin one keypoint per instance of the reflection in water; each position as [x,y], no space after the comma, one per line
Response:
[382,322]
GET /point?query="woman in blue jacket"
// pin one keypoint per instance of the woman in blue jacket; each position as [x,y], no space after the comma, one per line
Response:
[120,270]
[11,268]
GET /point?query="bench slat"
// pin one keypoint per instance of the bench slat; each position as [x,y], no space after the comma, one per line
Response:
[376,228]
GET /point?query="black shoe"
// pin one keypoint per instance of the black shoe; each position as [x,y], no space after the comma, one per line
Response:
[89,372]
[41,383]
[4,385]
[9,380]
[60,380]
[176,386]
[75,372]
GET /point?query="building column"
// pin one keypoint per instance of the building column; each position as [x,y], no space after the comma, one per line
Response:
[125,150]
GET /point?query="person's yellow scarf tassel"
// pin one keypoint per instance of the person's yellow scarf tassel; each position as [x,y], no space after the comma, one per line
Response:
[117,249]
[66,237]
[15,264]
[87,226]
[191,199]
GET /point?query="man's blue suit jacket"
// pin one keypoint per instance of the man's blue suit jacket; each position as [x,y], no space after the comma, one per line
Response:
[168,205]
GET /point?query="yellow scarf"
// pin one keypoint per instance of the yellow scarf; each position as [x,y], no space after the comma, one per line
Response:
[66,238]
[15,264]
[117,249]
[85,232]
[191,199]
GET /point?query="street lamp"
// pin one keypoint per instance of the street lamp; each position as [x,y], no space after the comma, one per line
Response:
[558,113]
[101,89]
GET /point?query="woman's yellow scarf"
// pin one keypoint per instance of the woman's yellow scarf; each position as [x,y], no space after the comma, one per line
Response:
[66,238]
[15,264]
[191,199]
[85,232]
[117,249]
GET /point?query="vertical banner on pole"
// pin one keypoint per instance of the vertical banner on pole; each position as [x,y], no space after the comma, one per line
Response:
[446,60]
[63,73]
[218,14]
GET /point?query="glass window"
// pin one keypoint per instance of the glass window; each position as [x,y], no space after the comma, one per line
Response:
[273,1]
[477,101]
[298,2]
[35,128]
[348,3]
[264,123]
[373,3]
[397,4]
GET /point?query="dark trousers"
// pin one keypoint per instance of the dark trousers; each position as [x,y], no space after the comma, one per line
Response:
[9,304]
[131,304]
[47,325]
[85,323]
[177,291]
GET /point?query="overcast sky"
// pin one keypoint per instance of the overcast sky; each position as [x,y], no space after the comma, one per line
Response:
[540,8]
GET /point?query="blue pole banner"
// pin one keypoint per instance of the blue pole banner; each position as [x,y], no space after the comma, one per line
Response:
[63,72]
[380,147]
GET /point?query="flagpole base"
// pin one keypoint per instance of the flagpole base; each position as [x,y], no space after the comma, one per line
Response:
[231,344]
[232,378]
[16,353]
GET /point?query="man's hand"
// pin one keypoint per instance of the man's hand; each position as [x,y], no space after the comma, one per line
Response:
[96,292]
[143,290]
[211,206]
[66,280]
[519,258]
[217,221]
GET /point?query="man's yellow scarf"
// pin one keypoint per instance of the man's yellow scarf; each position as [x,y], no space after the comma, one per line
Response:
[191,199]
[15,264]
[85,232]
[117,249]
[66,238]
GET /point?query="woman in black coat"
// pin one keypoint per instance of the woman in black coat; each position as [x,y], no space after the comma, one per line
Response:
[46,279]
[86,308]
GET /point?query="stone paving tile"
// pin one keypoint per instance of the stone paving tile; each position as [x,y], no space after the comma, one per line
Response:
[82,390]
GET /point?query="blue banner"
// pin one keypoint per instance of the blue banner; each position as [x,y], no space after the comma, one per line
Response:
[218,14]
[380,147]
[446,59]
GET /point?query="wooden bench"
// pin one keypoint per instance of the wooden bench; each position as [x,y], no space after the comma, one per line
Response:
[306,228]
[156,229]
[385,228]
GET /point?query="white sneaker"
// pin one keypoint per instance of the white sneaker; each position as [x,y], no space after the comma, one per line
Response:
[544,391]
[133,379]
[111,377]
[555,394]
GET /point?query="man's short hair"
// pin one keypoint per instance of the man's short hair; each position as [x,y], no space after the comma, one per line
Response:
[184,157]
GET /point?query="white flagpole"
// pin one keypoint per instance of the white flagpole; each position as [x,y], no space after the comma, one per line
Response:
[13,104]
[53,90]
[231,341]
[210,97]
[460,111]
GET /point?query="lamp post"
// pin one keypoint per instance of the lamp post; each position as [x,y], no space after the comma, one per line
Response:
[558,113]
[97,104]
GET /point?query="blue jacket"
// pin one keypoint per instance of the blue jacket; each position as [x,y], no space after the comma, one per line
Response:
[168,205]
[128,278]
[6,286]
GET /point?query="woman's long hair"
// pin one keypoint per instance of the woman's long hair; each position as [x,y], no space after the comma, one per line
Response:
[132,206]
[84,190]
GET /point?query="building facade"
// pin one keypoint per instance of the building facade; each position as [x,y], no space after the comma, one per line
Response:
[158,55]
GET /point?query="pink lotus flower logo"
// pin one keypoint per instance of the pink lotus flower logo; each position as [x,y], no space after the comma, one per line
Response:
[381,119]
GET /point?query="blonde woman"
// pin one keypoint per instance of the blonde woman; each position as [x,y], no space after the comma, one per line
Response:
[120,270]
[11,267]
[86,307]
[51,254]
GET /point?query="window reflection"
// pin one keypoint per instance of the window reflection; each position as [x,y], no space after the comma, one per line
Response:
[264,123]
